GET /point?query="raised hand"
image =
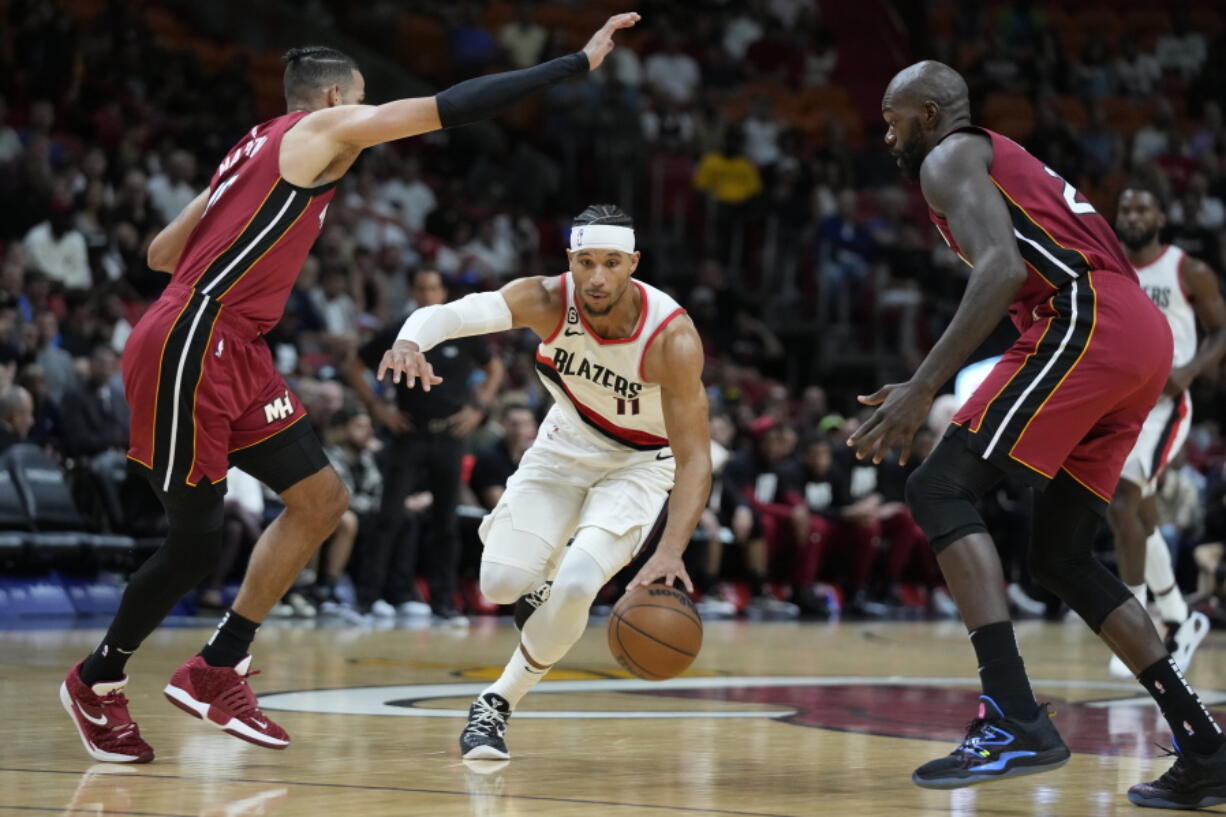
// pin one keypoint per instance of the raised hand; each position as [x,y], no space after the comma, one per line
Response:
[601,43]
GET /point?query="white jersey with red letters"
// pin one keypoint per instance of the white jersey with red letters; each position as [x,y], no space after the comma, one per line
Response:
[599,384]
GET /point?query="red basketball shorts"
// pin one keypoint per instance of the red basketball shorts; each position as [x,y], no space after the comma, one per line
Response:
[1074,390]
[201,385]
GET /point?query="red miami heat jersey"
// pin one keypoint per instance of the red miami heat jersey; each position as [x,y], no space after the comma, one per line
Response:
[1060,235]
[256,231]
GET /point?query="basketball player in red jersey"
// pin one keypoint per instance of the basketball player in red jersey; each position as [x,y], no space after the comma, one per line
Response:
[205,395]
[1061,410]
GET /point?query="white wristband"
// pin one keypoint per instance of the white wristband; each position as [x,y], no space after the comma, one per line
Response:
[476,314]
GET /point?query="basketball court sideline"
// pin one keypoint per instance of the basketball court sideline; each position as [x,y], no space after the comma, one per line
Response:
[772,720]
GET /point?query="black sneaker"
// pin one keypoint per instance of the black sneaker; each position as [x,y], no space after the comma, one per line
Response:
[482,738]
[996,747]
[528,603]
[1194,781]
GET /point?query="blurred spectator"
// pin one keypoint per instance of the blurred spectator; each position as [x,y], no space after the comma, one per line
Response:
[1197,207]
[1100,144]
[1153,139]
[523,39]
[406,191]
[743,29]
[425,447]
[671,72]
[490,254]
[472,47]
[830,521]
[43,338]
[16,415]
[172,189]
[762,131]
[1182,49]
[846,249]
[1137,71]
[334,302]
[96,414]
[10,144]
[352,455]
[48,427]
[57,249]
[497,462]
[242,524]
[1093,75]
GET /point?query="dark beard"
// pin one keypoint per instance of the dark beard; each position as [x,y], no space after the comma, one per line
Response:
[1137,241]
[910,161]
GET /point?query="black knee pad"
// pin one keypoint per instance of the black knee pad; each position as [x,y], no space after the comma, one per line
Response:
[942,493]
[1066,520]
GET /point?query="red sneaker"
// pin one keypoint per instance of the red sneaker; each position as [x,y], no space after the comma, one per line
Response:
[100,714]
[222,696]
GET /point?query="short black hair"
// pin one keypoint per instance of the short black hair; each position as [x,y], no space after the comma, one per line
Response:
[604,214]
[1142,185]
[311,68]
[513,407]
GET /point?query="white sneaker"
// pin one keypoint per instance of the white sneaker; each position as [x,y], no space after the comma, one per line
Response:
[1184,639]
[381,609]
[301,607]
[413,609]
[1118,669]
[1023,602]
[942,603]
[281,609]
[713,607]
[773,608]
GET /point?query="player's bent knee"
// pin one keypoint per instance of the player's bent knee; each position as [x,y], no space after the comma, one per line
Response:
[942,507]
[322,496]
[504,584]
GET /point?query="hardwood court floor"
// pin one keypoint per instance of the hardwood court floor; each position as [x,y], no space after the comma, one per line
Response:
[775,720]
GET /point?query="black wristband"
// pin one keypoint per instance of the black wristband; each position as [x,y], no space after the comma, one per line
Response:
[482,97]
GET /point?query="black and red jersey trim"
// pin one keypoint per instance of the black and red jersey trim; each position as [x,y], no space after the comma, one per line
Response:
[279,211]
[638,440]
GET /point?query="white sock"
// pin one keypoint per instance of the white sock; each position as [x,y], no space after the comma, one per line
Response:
[517,678]
[1138,590]
[1161,579]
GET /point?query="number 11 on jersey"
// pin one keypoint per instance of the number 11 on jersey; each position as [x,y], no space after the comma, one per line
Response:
[623,404]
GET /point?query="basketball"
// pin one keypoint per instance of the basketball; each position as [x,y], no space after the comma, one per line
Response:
[655,632]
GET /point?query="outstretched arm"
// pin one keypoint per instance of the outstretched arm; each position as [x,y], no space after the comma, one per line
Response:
[676,364]
[167,245]
[1206,297]
[956,184]
[361,126]
[528,303]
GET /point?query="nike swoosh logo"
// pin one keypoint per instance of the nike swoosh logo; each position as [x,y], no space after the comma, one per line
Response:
[102,721]
[569,333]
[663,456]
[260,724]
[1000,763]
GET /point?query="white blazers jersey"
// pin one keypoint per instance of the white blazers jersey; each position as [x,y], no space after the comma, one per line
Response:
[1163,283]
[598,383]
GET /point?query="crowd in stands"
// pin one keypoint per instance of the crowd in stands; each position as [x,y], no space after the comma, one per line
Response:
[743,138]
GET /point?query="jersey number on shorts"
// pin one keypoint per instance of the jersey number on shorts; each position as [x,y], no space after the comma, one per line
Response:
[622,404]
[1081,208]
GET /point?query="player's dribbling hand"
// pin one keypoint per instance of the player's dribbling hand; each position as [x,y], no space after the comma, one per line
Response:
[662,566]
[903,407]
[601,43]
[405,359]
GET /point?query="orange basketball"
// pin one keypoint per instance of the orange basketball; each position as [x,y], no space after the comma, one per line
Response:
[655,632]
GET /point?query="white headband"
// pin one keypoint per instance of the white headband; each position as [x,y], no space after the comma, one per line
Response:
[602,237]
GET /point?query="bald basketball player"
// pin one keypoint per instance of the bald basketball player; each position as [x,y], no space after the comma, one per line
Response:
[1061,410]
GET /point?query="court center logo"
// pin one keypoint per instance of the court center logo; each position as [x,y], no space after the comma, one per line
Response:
[1108,717]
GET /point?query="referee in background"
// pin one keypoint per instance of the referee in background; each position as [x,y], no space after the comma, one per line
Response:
[427,433]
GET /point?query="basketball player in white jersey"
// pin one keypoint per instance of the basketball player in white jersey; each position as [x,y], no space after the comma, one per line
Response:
[1186,291]
[623,451]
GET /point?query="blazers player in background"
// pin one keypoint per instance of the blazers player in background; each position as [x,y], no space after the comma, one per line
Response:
[1060,410]
[205,395]
[628,426]
[1186,291]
